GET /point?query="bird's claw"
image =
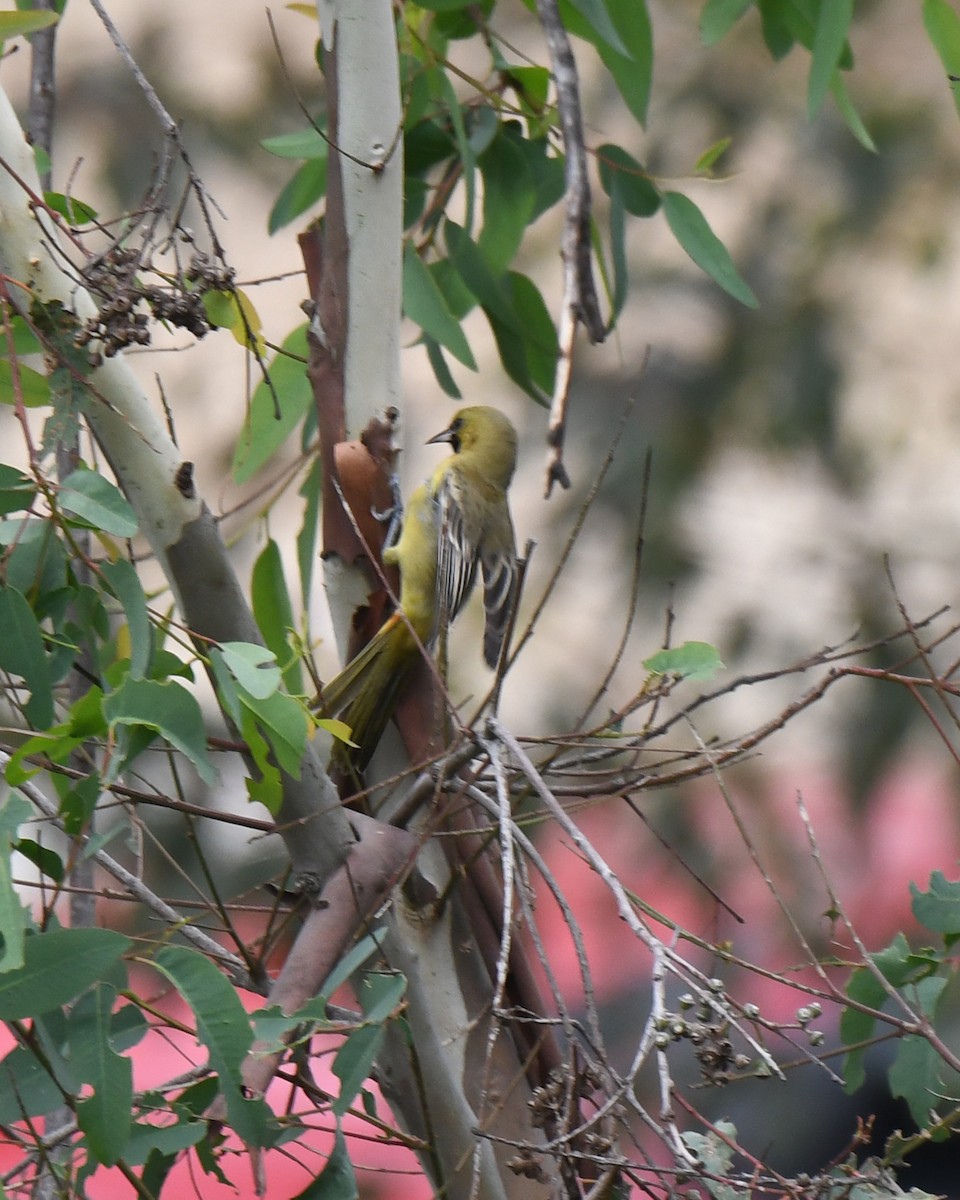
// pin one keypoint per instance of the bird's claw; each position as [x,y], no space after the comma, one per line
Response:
[392,517]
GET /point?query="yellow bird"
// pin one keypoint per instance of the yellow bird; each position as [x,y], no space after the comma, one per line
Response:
[457,519]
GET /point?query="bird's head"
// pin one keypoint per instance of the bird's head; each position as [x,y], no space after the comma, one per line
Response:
[486,439]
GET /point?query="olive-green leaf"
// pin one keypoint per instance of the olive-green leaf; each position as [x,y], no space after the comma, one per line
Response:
[692,660]
[939,908]
[224,1028]
[509,201]
[167,708]
[308,185]
[14,810]
[22,653]
[122,579]
[253,667]
[942,24]
[273,611]
[263,433]
[16,24]
[622,175]
[305,143]
[58,965]
[98,502]
[719,16]
[337,1180]
[424,304]
[829,41]
[104,1117]
[34,388]
[691,230]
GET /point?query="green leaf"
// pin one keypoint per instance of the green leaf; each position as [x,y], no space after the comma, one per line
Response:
[306,188]
[234,310]
[16,24]
[74,211]
[105,1117]
[27,1087]
[305,143]
[34,561]
[850,114]
[718,18]
[942,24]
[45,859]
[58,965]
[623,176]
[705,163]
[14,919]
[692,660]
[337,1180]
[170,710]
[632,72]
[776,30]
[532,86]
[79,804]
[529,348]
[25,341]
[266,788]
[896,962]
[34,387]
[380,993]
[691,230]
[253,667]
[618,253]
[271,1024]
[273,612]
[307,537]
[939,908]
[829,41]
[284,723]
[354,1062]
[509,199]
[162,1140]
[716,1154]
[444,5]
[353,960]
[633,77]
[440,369]
[22,653]
[122,579]
[425,305]
[263,433]
[224,1028]
[97,502]
[915,1074]
[441,86]
[595,13]
[488,289]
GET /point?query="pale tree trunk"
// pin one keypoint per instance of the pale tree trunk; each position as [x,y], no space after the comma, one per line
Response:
[467,1080]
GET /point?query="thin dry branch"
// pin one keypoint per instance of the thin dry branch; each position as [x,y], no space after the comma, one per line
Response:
[580,303]
[235,966]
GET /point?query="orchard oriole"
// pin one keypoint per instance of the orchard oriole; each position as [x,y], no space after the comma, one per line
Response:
[458,518]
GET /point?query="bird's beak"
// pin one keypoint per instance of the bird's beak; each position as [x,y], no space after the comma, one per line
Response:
[447,436]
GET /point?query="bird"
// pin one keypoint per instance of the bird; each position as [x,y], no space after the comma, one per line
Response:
[456,521]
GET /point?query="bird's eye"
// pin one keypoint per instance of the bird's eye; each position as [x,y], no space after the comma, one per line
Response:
[457,425]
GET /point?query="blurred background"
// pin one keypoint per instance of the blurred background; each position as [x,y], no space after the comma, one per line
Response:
[794,446]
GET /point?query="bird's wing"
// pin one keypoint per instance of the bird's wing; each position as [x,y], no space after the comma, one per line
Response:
[499,581]
[456,552]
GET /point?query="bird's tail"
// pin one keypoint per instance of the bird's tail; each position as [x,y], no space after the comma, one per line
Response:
[365,693]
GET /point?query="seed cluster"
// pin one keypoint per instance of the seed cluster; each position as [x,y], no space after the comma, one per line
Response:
[128,303]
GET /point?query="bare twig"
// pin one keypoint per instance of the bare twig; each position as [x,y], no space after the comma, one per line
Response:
[580,303]
[234,965]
